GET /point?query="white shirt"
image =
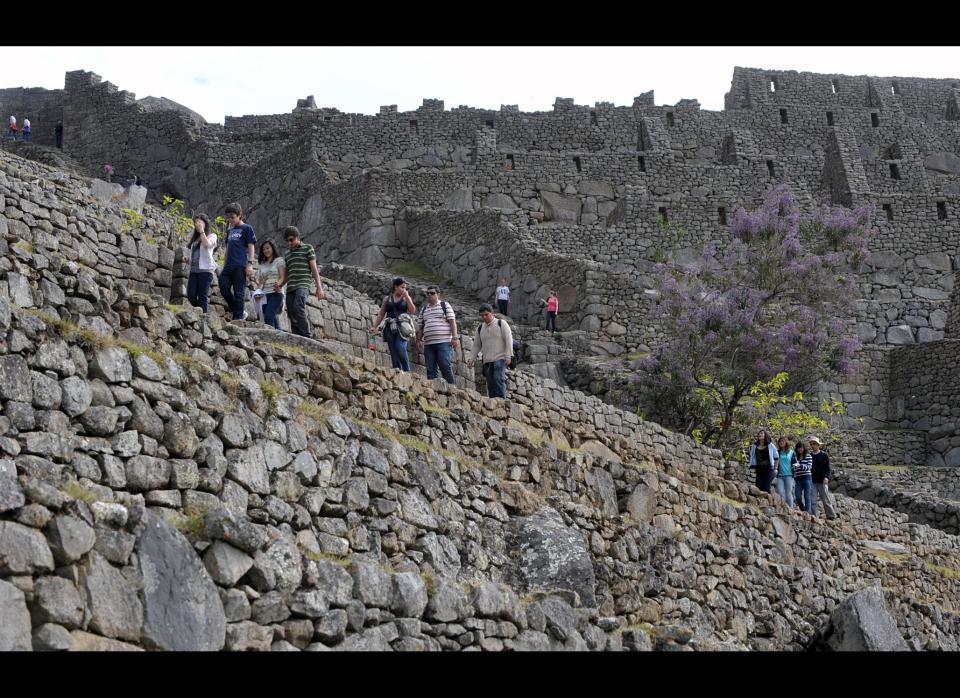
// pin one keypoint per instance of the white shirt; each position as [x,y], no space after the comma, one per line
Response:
[26,123]
[503,293]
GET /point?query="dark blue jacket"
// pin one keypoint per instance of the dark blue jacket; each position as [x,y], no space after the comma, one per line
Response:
[821,467]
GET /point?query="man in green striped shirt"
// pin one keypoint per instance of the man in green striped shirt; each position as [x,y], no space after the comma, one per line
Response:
[301,263]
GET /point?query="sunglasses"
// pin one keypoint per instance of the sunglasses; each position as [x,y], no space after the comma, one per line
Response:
[431,293]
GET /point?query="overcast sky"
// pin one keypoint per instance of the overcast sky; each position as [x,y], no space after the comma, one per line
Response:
[269,80]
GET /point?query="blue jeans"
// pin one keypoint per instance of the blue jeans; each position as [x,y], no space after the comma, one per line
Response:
[26,136]
[494,373]
[440,354]
[398,349]
[551,321]
[804,492]
[297,312]
[198,289]
[785,489]
[271,309]
[233,286]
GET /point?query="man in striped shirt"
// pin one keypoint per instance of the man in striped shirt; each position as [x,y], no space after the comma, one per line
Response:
[437,335]
[301,262]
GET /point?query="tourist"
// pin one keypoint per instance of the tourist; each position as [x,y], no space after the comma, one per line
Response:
[553,304]
[786,460]
[503,297]
[58,134]
[13,127]
[202,266]
[27,130]
[437,335]
[498,340]
[301,268]
[763,454]
[394,305]
[821,480]
[238,266]
[270,279]
[802,471]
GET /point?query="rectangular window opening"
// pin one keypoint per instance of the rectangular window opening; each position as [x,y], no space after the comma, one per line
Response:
[509,163]
[942,210]
[489,123]
[829,118]
[874,119]
[662,214]
[770,168]
[670,118]
[894,171]
[643,163]
[895,87]
[593,118]
[722,215]
[576,161]
[888,209]
[413,126]
[783,116]
[773,84]
[834,86]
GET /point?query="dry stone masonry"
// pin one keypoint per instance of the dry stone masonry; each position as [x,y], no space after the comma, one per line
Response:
[170,482]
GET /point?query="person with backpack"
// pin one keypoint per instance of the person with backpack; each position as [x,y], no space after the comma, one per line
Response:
[395,310]
[802,476]
[763,455]
[202,265]
[785,465]
[821,480]
[495,344]
[26,130]
[437,335]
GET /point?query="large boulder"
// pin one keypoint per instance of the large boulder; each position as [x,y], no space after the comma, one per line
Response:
[14,619]
[182,609]
[547,555]
[862,623]
[115,608]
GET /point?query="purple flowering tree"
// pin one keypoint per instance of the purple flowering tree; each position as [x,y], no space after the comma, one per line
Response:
[778,297]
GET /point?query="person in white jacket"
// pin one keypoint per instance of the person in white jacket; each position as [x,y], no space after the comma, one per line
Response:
[200,259]
[763,457]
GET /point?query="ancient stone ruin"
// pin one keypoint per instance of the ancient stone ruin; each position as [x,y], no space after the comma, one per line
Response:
[171,483]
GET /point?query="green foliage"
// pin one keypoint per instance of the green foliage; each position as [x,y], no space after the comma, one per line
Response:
[414,269]
[768,407]
[78,491]
[191,525]
[133,220]
[671,237]
[184,223]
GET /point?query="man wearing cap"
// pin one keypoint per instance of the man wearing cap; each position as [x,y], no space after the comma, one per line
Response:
[821,479]
[495,343]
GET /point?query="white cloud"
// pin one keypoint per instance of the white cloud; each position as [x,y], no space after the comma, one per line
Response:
[269,80]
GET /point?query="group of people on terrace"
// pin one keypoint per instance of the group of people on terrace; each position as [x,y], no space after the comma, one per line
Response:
[286,280]
[802,476]
[26,130]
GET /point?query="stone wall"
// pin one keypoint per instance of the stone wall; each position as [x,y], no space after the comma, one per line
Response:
[924,384]
[43,107]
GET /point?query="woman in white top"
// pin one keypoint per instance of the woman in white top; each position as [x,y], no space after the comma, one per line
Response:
[503,297]
[200,259]
[271,277]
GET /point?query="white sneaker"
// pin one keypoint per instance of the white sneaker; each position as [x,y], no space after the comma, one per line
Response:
[245,315]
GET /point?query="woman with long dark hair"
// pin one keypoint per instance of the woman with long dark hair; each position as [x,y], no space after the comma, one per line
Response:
[202,267]
[803,477]
[763,455]
[393,306]
[271,276]
[784,474]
